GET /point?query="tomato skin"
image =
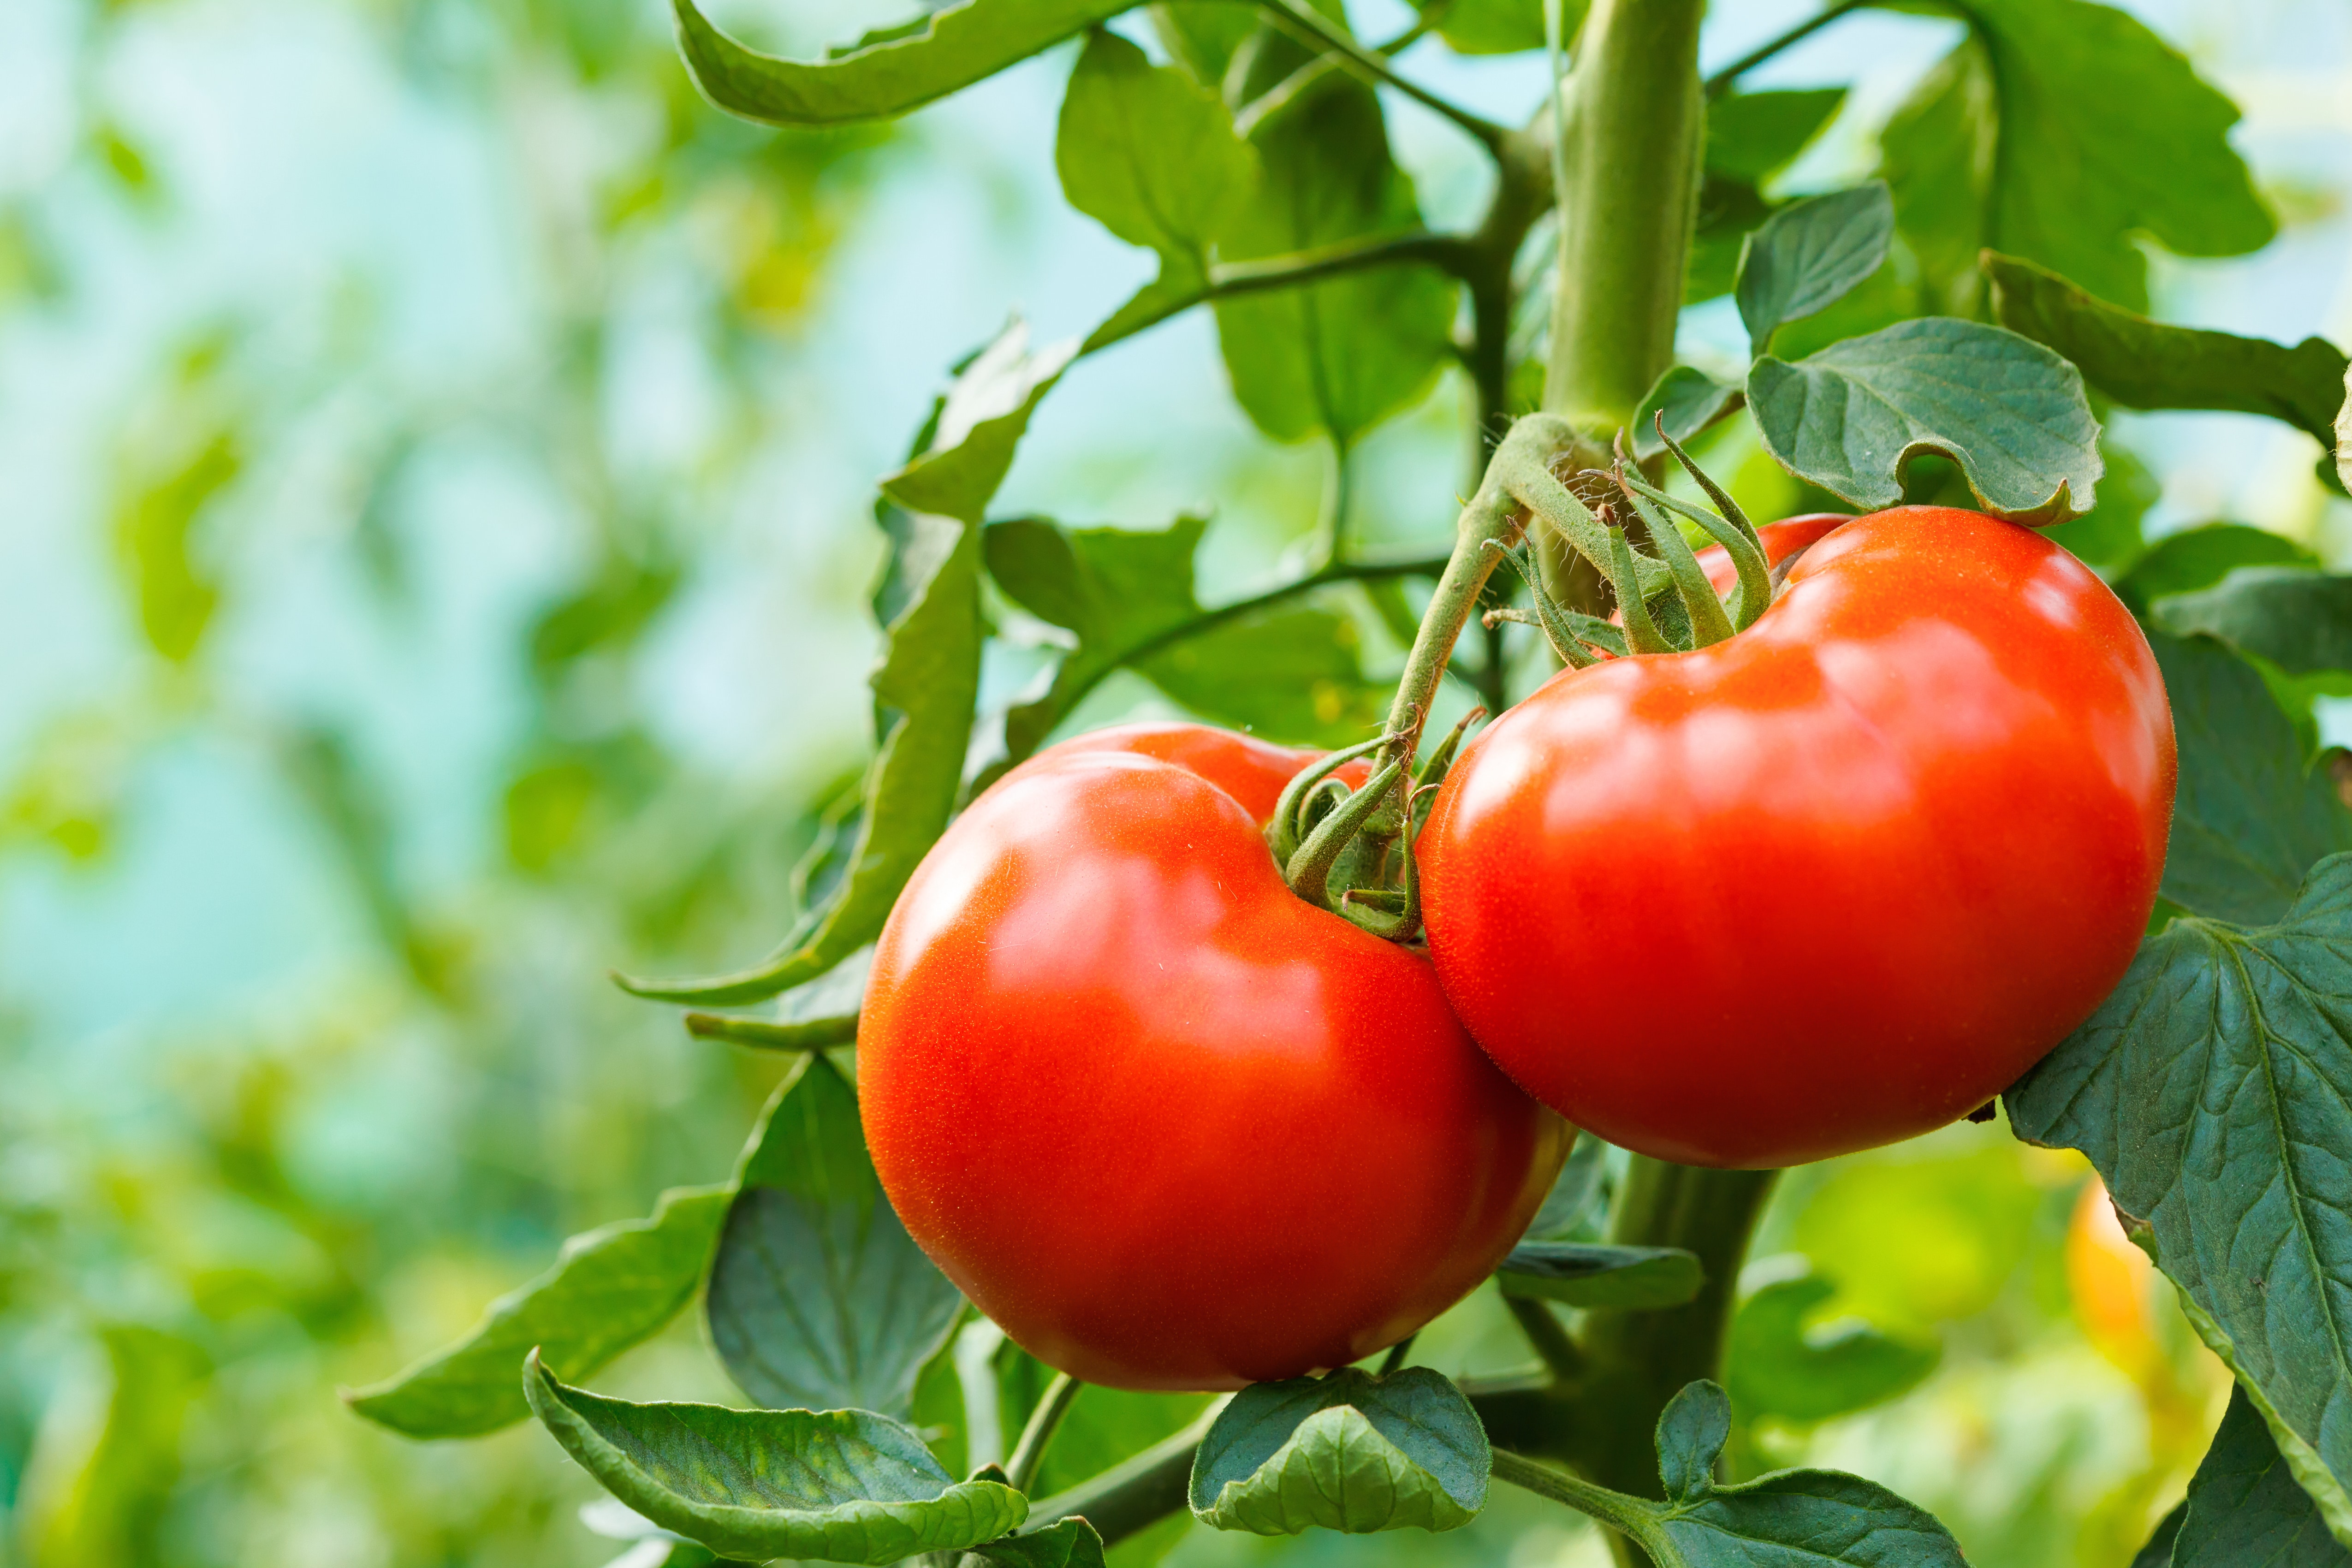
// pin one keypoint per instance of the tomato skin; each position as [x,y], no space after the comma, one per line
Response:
[1829,883]
[1250,770]
[1166,1123]
[1780,541]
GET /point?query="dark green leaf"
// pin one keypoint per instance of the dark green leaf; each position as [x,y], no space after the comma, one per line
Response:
[1347,1452]
[1691,400]
[1291,672]
[1499,26]
[2200,557]
[2142,364]
[611,1288]
[837,1486]
[1152,154]
[2158,1552]
[2059,132]
[1337,357]
[1810,255]
[890,71]
[1798,1519]
[2251,816]
[818,1298]
[2299,620]
[1692,1431]
[2011,414]
[1593,1275]
[2210,1091]
[1572,1194]
[1066,1543]
[1728,209]
[1777,1367]
[2246,1508]
[1751,136]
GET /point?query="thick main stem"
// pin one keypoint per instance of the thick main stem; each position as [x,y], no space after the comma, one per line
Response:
[1635,122]
[1638,1361]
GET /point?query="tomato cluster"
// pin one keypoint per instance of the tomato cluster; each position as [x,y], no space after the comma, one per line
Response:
[1829,883]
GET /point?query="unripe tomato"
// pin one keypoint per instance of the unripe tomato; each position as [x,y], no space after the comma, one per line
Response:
[1832,882]
[1168,1125]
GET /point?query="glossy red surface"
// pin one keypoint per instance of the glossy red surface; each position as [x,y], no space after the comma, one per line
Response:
[1834,882]
[1167,1124]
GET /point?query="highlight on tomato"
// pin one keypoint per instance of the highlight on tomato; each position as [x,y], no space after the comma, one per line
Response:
[1167,1124]
[1829,882]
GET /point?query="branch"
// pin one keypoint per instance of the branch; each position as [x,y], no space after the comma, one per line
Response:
[1287,91]
[1131,1496]
[1451,253]
[1720,82]
[1312,27]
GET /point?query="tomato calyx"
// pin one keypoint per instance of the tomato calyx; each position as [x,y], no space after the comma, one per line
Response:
[1664,599]
[1350,851]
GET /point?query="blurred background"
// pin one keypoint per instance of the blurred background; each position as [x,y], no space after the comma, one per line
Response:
[436,465]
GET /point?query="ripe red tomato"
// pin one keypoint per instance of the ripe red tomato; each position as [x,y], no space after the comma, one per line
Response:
[1781,540]
[1829,883]
[1167,1124]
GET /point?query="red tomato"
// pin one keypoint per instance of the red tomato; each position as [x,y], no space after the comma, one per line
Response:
[1250,770]
[1825,885]
[1168,1125]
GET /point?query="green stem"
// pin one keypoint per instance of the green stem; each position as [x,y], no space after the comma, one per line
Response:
[1632,137]
[1134,1495]
[1619,1512]
[1721,81]
[813,1035]
[1229,280]
[1639,1359]
[1312,27]
[1029,1453]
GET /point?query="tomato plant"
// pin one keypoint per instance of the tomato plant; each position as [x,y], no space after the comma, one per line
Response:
[1832,882]
[1824,834]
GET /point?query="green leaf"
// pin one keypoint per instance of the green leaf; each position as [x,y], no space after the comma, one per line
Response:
[888,72]
[2142,364]
[818,1298]
[2059,132]
[1499,26]
[1752,136]
[978,425]
[1788,1519]
[1349,1452]
[1290,671]
[611,1288]
[1692,1431]
[1810,255]
[2343,433]
[2299,620]
[1341,356]
[1691,400]
[2011,414]
[2210,1091]
[1573,1192]
[1728,209]
[1593,1275]
[928,683]
[1778,1367]
[2246,1508]
[2158,1552]
[2251,814]
[2200,557]
[1152,154]
[836,1486]
[1066,1543]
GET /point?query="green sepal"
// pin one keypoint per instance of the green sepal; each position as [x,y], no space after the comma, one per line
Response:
[1349,1452]
[1582,1275]
[834,1486]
